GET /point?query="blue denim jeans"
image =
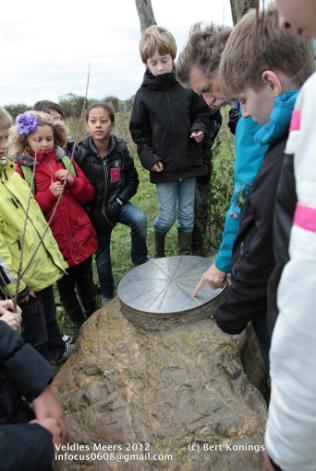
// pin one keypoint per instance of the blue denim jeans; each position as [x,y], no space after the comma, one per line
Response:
[172,196]
[260,327]
[137,221]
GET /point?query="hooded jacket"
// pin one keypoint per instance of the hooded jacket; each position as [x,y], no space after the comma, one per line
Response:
[291,426]
[286,200]
[163,117]
[248,160]
[253,258]
[48,264]
[113,177]
[70,225]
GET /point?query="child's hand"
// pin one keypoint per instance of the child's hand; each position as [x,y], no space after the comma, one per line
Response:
[13,319]
[198,136]
[266,461]
[214,277]
[7,305]
[56,188]
[26,299]
[61,175]
[158,167]
[47,406]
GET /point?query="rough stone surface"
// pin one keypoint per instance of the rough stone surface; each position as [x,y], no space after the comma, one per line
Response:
[168,388]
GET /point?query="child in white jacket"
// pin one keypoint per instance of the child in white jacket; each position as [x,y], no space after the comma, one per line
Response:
[291,428]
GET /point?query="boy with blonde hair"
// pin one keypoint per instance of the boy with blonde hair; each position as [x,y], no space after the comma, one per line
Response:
[257,69]
[168,123]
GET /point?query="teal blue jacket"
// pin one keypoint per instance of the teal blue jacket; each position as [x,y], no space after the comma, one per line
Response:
[248,160]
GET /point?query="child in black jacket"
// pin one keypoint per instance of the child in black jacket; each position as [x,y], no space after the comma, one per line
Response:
[267,88]
[106,161]
[168,123]
[27,436]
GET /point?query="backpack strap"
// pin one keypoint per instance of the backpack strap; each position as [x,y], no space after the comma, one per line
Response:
[68,164]
[27,174]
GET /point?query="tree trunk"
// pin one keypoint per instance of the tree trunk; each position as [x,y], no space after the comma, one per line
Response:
[240,7]
[145,14]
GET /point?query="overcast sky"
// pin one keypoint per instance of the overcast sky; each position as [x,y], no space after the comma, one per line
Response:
[46,45]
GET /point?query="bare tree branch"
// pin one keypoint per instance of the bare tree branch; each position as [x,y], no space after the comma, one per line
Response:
[19,277]
[240,7]
[145,14]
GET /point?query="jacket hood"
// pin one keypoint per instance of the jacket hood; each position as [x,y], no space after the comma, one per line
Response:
[279,119]
[159,82]
[29,159]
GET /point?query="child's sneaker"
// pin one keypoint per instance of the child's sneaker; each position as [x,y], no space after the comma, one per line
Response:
[67,338]
[69,348]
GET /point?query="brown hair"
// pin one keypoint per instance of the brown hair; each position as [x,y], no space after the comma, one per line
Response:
[157,38]
[5,119]
[257,44]
[19,141]
[47,105]
[106,108]
[203,50]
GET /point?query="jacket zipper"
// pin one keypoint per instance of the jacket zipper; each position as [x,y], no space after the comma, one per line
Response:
[174,128]
[105,170]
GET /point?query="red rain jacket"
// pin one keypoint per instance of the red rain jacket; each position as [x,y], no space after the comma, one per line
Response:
[71,226]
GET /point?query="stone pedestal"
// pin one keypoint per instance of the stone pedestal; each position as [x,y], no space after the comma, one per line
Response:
[180,391]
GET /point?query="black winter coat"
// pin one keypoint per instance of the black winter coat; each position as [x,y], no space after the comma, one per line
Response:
[286,200]
[206,146]
[253,258]
[164,116]
[112,177]
[23,372]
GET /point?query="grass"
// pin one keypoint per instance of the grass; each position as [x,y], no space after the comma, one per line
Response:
[145,199]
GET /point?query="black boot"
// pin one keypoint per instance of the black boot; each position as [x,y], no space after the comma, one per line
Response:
[159,244]
[185,242]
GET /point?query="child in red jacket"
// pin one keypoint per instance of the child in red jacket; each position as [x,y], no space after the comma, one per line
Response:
[39,142]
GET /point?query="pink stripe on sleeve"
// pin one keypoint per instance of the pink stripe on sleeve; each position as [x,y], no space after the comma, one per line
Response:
[296,120]
[305,217]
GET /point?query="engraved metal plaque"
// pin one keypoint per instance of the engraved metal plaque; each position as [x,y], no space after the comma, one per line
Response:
[165,285]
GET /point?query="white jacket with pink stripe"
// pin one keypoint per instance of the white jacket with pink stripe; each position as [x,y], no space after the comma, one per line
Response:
[291,428]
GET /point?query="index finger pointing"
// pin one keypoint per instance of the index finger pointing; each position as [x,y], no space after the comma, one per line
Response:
[200,284]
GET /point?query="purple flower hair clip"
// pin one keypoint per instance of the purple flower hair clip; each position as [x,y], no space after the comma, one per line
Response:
[26,123]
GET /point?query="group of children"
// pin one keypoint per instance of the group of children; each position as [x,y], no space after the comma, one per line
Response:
[258,64]
[82,191]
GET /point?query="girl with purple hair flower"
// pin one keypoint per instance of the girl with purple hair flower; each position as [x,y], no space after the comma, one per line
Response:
[45,266]
[61,189]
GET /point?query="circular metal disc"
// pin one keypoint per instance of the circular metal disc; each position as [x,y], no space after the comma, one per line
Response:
[165,285]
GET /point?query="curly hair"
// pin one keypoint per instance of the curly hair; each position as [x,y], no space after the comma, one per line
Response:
[203,50]
[19,141]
